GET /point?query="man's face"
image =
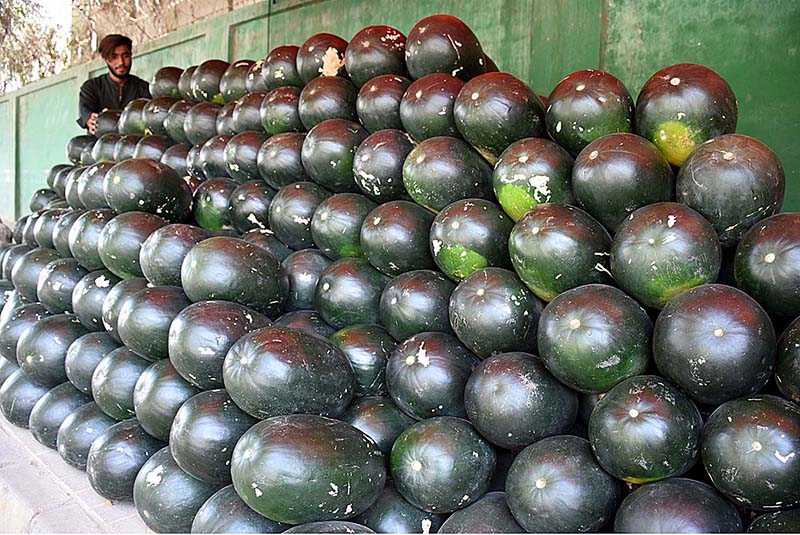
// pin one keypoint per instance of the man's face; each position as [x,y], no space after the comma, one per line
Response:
[119,61]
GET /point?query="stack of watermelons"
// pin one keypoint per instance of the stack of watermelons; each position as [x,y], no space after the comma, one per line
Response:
[380,286]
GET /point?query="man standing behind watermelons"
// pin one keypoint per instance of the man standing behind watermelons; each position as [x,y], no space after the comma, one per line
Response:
[111,91]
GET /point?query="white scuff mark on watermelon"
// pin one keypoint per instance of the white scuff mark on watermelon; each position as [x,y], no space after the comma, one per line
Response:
[376,220]
[558,126]
[334,490]
[602,268]
[253,219]
[301,220]
[305,277]
[611,361]
[602,253]
[675,81]
[680,115]
[580,87]
[348,509]
[669,239]
[443,111]
[423,358]
[437,246]
[784,458]
[671,220]
[426,526]
[524,158]
[540,183]
[205,350]
[154,476]
[455,71]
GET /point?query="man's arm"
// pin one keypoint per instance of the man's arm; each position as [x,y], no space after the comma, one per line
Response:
[88,103]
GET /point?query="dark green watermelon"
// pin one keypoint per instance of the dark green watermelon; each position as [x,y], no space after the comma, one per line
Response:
[324,98]
[292,210]
[18,322]
[322,54]
[469,235]
[121,240]
[492,311]
[41,198]
[255,81]
[279,160]
[185,83]
[62,230]
[394,237]
[426,375]
[233,84]
[225,512]
[114,380]
[201,335]
[787,366]
[266,239]
[248,207]
[378,165]
[787,521]
[513,401]
[594,336]
[25,274]
[303,269]
[211,207]
[165,82]
[490,514]
[76,145]
[154,113]
[126,146]
[618,173]
[115,300]
[415,302]
[279,111]
[378,102]
[767,264]
[56,283]
[309,321]
[90,185]
[6,369]
[442,170]
[152,147]
[375,51]
[28,235]
[12,300]
[246,116]
[286,467]
[645,429]
[130,120]
[556,485]
[194,167]
[426,109]
[54,172]
[532,172]
[163,252]
[18,396]
[116,457]
[103,149]
[328,153]
[78,431]
[677,505]
[204,433]
[443,43]
[367,347]
[175,157]
[42,350]
[734,181]
[83,356]
[682,106]
[662,250]
[212,157]
[329,526]
[280,67]
[380,419]
[587,105]
[175,119]
[494,110]
[84,237]
[348,292]
[715,342]
[144,320]
[87,156]
[224,124]
[279,370]
[749,447]
[391,513]
[52,409]
[71,190]
[44,226]
[442,464]
[200,123]
[14,253]
[337,223]
[206,79]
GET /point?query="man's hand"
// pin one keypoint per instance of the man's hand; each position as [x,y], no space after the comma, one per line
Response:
[91,124]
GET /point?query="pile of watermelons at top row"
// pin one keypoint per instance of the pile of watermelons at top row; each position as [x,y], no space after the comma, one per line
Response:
[379,285]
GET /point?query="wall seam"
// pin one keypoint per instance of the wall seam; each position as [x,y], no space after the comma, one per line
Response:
[601,63]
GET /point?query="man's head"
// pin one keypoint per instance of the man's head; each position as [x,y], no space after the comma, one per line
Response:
[116,52]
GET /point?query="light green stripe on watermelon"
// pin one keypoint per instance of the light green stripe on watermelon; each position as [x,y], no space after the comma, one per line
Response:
[458,262]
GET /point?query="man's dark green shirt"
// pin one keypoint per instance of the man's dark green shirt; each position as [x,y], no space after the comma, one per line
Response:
[101,93]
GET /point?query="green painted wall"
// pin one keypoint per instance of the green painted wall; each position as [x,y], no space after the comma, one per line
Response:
[754,45]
